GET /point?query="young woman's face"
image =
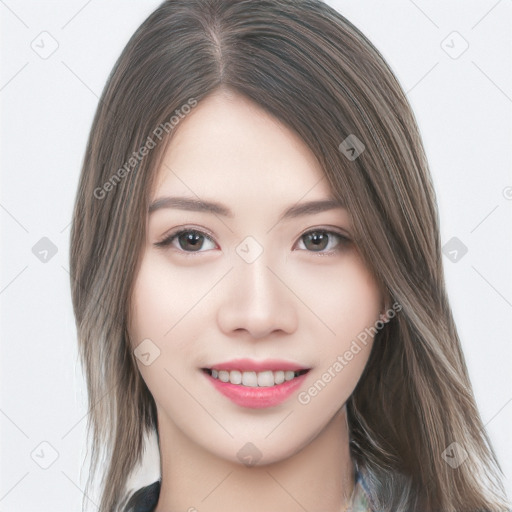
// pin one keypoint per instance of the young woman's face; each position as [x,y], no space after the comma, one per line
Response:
[249,290]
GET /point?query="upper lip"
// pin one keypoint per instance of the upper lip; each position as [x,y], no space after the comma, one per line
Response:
[249,365]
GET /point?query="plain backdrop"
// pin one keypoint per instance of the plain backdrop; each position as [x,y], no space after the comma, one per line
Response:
[452,58]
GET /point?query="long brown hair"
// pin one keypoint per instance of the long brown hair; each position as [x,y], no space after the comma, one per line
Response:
[308,66]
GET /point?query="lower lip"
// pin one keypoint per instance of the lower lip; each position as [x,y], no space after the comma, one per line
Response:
[257,397]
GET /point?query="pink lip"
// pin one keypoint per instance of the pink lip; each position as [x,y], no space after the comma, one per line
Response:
[247,365]
[257,397]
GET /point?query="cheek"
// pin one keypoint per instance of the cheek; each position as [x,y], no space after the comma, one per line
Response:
[162,298]
[360,303]
[350,306]
[345,298]
[161,301]
[149,316]
[158,326]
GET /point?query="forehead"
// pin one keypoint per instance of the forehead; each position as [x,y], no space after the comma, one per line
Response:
[231,149]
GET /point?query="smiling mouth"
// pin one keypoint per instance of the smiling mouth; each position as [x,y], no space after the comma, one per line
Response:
[267,378]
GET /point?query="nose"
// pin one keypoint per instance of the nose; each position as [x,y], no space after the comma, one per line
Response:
[257,300]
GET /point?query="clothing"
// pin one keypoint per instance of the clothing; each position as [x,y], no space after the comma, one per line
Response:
[361,498]
[146,499]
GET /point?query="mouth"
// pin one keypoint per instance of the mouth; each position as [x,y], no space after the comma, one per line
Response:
[256,385]
[253,379]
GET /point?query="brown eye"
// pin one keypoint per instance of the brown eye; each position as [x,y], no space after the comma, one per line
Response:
[316,240]
[319,240]
[189,240]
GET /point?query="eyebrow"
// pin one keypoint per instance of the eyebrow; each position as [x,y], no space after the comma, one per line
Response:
[197,205]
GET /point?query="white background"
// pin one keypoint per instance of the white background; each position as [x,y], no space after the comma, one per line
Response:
[463,107]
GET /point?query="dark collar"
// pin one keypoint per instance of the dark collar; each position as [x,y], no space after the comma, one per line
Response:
[146,498]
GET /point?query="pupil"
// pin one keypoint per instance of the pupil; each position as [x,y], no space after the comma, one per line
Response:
[191,238]
[318,238]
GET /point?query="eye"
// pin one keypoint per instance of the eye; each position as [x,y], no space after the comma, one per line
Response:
[187,240]
[323,241]
[318,240]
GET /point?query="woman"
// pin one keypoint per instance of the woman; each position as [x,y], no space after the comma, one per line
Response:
[256,275]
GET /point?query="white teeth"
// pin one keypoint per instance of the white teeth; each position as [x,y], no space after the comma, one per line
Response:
[224,376]
[235,377]
[279,377]
[249,379]
[266,378]
[288,375]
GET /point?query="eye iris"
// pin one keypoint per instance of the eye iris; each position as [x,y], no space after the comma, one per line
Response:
[192,238]
[319,239]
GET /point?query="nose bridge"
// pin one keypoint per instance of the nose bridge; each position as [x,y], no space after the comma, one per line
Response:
[257,281]
[252,262]
[257,300]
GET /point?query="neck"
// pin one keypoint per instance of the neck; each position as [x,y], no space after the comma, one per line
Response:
[318,477]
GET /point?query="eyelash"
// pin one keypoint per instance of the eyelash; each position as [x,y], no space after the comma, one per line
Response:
[167,241]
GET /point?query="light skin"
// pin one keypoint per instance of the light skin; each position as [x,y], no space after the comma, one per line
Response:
[205,304]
